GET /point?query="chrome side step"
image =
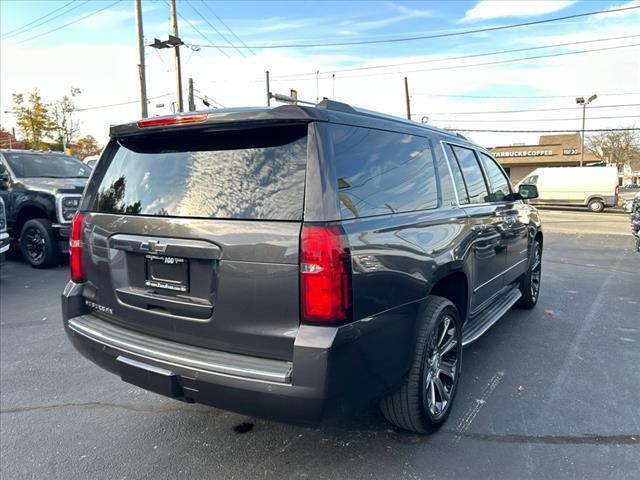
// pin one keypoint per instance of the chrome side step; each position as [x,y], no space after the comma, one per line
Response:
[476,326]
[178,354]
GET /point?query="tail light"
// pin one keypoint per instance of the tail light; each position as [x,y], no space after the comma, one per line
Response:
[75,249]
[172,120]
[617,190]
[325,275]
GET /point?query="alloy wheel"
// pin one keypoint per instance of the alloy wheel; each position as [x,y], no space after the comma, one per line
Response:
[35,243]
[441,368]
[536,271]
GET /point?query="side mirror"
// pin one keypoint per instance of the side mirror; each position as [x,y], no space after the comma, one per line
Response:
[527,192]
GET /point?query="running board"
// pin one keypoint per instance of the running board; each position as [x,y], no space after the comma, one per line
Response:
[475,327]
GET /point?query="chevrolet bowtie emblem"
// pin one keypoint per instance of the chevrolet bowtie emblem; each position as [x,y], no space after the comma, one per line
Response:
[153,246]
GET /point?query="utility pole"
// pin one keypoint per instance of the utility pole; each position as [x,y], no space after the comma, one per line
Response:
[174,21]
[192,101]
[268,90]
[141,65]
[406,97]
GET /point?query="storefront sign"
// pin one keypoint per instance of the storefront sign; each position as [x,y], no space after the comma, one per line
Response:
[524,153]
[570,151]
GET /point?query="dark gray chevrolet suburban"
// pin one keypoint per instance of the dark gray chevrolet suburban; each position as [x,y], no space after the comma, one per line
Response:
[297,262]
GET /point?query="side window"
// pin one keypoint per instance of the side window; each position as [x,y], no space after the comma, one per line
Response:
[530,180]
[472,174]
[499,184]
[463,196]
[16,165]
[382,172]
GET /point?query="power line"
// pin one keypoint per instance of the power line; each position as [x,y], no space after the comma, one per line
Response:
[531,110]
[543,131]
[528,120]
[227,27]
[216,30]
[497,62]
[440,35]
[200,33]
[70,23]
[461,57]
[518,96]
[97,107]
[456,67]
[19,30]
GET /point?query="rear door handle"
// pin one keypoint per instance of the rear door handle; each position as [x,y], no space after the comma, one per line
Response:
[176,247]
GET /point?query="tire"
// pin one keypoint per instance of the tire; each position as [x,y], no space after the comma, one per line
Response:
[38,244]
[530,282]
[596,205]
[412,406]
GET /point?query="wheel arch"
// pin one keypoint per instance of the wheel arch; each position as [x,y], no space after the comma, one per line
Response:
[29,212]
[452,282]
[595,197]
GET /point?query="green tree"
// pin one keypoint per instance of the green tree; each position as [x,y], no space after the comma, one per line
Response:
[33,119]
[65,126]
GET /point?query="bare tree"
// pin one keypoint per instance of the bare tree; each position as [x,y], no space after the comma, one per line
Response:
[617,148]
[66,127]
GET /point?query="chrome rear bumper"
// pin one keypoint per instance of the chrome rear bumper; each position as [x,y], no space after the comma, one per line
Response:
[179,355]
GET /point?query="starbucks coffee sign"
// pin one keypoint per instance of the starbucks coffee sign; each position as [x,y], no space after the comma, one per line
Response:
[524,153]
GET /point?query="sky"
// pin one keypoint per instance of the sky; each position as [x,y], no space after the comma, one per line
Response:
[91,44]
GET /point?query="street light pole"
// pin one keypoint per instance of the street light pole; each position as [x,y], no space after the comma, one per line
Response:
[584,103]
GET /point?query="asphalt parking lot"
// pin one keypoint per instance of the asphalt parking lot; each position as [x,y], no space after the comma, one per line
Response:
[548,393]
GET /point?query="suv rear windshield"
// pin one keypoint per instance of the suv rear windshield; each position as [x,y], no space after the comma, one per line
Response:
[255,174]
[46,165]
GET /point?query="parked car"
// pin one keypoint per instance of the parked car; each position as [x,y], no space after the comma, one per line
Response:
[4,236]
[628,192]
[295,262]
[41,192]
[592,187]
[91,160]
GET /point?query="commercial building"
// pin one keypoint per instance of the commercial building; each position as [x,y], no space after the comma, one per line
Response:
[551,151]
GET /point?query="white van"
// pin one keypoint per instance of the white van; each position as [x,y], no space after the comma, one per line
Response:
[593,187]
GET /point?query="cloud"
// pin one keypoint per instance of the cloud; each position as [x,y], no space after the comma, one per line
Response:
[624,13]
[238,81]
[488,9]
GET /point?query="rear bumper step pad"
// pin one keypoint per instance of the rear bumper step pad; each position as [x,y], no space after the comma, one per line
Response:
[180,355]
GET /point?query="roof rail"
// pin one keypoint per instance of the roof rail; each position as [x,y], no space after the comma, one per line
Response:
[337,106]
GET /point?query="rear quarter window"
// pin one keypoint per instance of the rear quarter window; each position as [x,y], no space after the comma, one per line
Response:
[381,172]
[250,174]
